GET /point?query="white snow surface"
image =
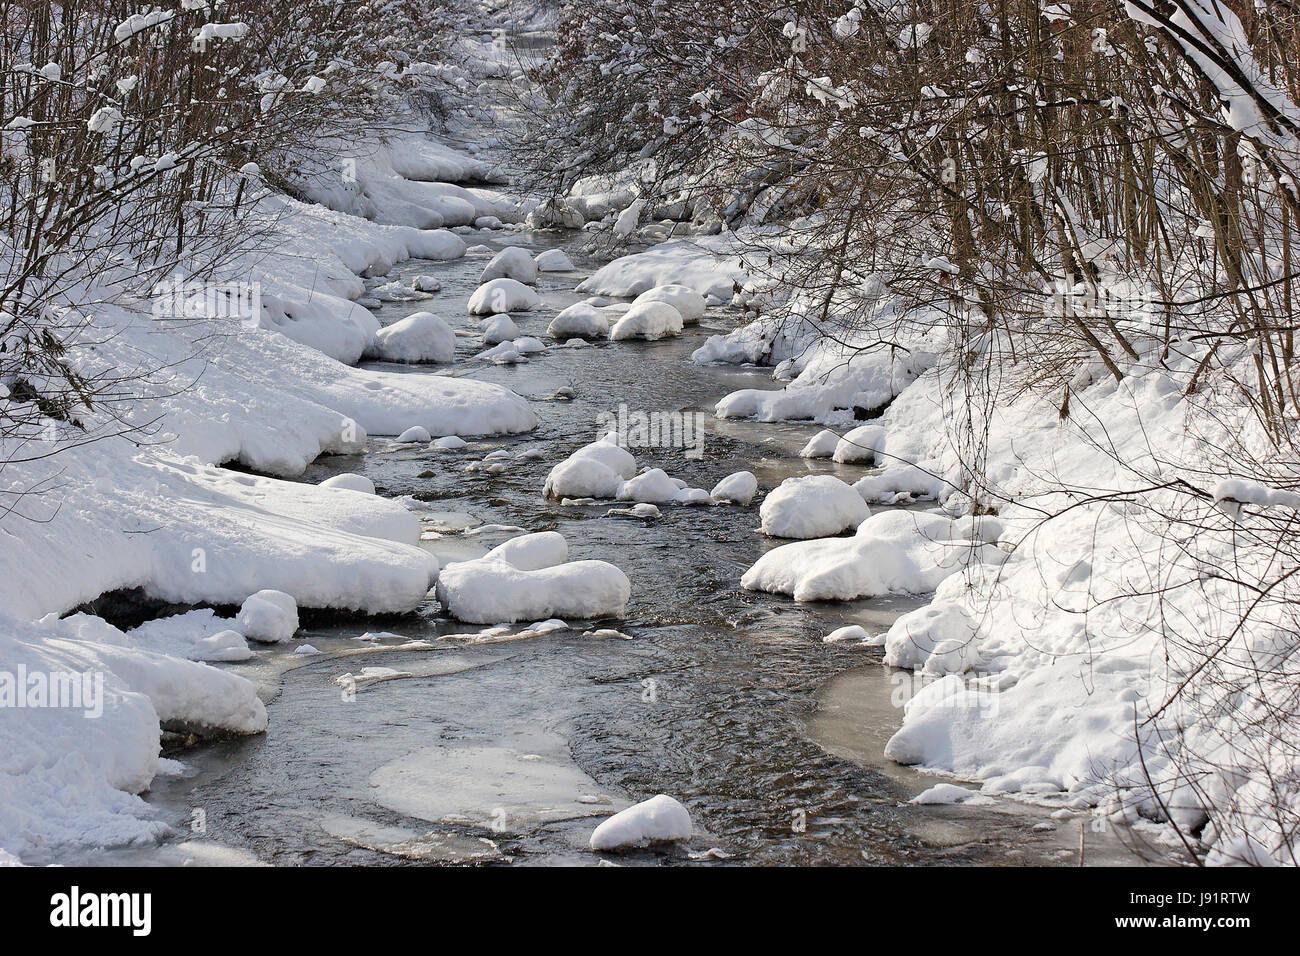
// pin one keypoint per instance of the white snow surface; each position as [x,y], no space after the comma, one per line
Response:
[812,506]
[661,819]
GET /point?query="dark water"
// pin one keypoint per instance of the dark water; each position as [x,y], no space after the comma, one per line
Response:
[482,750]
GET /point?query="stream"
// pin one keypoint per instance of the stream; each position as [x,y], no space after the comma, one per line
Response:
[465,747]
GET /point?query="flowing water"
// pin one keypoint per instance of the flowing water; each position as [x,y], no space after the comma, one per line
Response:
[462,747]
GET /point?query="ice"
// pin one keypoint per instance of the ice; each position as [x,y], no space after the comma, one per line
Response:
[268,616]
[513,262]
[502,295]
[738,488]
[647,320]
[812,506]
[661,819]
[450,443]
[849,633]
[420,337]
[506,789]
[947,794]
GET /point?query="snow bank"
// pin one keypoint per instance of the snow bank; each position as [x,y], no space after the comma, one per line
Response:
[661,819]
[69,774]
[893,552]
[812,506]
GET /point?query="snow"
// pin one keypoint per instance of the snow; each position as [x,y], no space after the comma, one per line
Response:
[647,320]
[581,320]
[420,337]
[689,303]
[268,616]
[738,488]
[812,506]
[528,580]
[949,794]
[498,329]
[821,445]
[848,634]
[860,444]
[661,819]
[502,295]
[893,552]
[350,482]
[414,434]
[652,486]
[694,263]
[512,262]
[69,780]
[554,260]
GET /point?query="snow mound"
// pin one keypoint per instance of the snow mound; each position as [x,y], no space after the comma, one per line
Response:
[502,295]
[268,616]
[596,470]
[661,819]
[512,262]
[893,552]
[414,435]
[420,337]
[738,488]
[813,506]
[581,320]
[350,482]
[652,486]
[647,320]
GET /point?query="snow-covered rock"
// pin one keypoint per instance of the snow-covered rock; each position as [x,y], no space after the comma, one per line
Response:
[499,328]
[661,819]
[689,303]
[738,488]
[821,445]
[416,433]
[812,506]
[596,470]
[652,487]
[421,337]
[350,482]
[860,444]
[513,262]
[581,320]
[496,588]
[502,295]
[269,616]
[554,260]
[647,320]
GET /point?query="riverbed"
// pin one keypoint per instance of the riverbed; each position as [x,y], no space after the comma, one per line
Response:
[417,739]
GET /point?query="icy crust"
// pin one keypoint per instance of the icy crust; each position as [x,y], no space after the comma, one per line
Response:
[68,778]
[530,579]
